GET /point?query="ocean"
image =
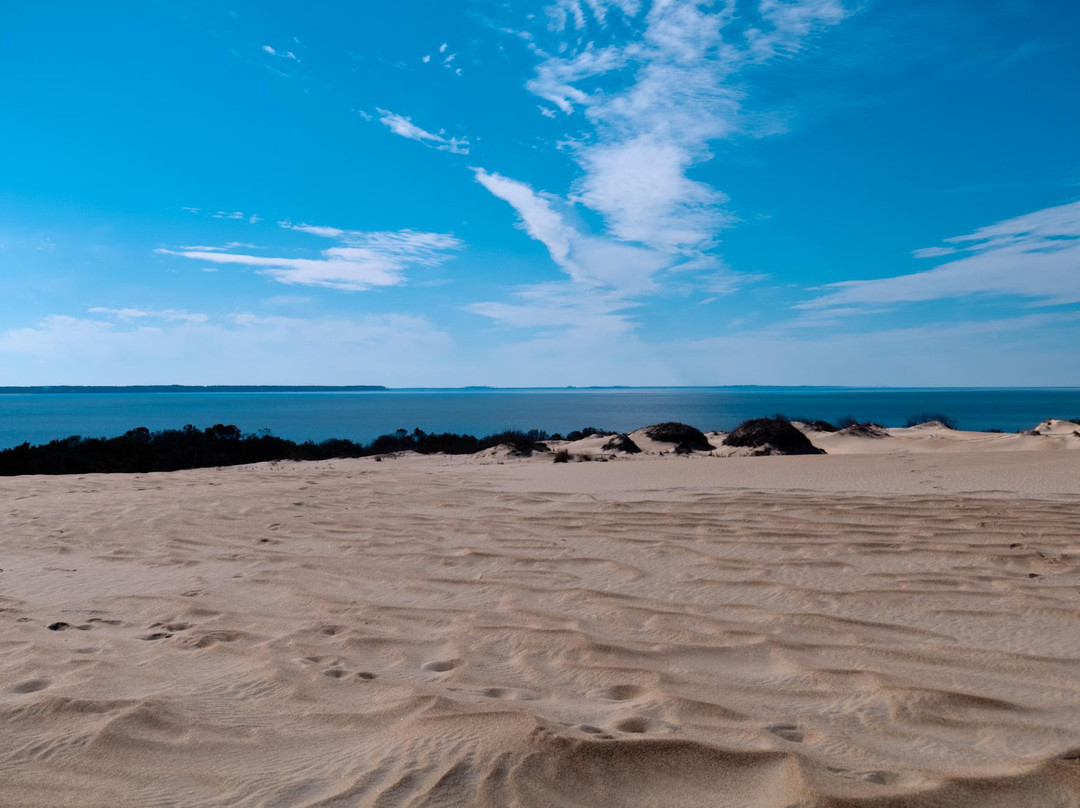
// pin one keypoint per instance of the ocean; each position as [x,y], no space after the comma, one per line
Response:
[38,416]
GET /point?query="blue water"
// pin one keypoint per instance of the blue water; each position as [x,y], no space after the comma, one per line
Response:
[361,416]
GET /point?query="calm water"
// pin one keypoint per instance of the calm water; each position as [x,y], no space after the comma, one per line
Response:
[40,417]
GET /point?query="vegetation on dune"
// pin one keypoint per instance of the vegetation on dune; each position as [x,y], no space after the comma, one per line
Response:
[686,436]
[622,443]
[929,417]
[141,450]
[775,435]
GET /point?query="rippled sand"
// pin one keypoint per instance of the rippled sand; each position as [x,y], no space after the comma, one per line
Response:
[814,631]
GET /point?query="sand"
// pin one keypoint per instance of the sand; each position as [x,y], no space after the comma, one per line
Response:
[891,629]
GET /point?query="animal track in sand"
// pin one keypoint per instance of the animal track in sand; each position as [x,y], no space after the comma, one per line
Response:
[509,694]
[879,776]
[620,692]
[155,635]
[208,639]
[441,665]
[31,686]
[171,626]
[635,724]
[789,732]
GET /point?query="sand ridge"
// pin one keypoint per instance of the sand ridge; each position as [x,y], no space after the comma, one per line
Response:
[429,631]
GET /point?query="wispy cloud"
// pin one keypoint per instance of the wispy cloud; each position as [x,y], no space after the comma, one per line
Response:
[129,314]
[363,260]
[1035,256]
[656,100]
[651,85]
[401,125]
[280,54]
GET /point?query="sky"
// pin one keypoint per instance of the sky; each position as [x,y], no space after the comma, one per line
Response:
[441,193]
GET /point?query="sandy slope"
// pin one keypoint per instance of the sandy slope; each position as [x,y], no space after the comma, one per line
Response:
[814,631]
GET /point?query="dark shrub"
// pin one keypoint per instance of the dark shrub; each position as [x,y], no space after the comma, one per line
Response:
[673,432]
[819,426]
[562,456]
[867,429]
[845,421]
[587,432]
[522,444]
[772,434]
[928,417]
[622,443]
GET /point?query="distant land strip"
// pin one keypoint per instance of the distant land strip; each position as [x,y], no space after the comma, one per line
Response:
[189,388]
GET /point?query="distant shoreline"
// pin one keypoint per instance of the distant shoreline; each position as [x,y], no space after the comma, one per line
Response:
[71,389]
[185,388]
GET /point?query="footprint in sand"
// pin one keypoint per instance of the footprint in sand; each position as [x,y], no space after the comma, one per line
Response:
[509,694]
[441,665]
[635,724]
[789,732]
[620,692]
[155,635]
[880,777]
[31,686]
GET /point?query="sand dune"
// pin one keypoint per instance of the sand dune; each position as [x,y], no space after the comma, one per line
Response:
[889,630]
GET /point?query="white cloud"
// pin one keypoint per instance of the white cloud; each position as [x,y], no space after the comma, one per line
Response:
[1034,256]
[537,215]
[403,126]
[150,314]
[364,260]
[657,100]
[654,93]
[280,54]
[588,260]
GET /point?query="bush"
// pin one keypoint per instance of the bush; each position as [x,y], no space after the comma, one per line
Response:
[674,432]
[622,443]
[845,421]
[772,434]
[562,456]
[587,432]
[927,417]
[866,429]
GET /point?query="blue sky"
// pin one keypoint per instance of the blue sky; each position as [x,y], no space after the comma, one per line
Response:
[424,193]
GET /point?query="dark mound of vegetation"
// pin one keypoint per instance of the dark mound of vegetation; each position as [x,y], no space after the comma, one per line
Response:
[866,429]
[810,423]
[673,432]
[775,435]
[581,434]
[142,451]
[562,456]
[622,443]
[930,417]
